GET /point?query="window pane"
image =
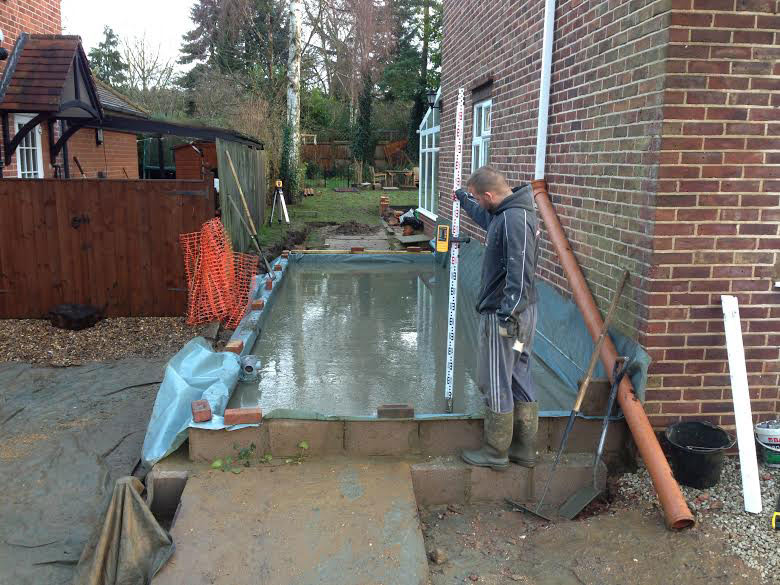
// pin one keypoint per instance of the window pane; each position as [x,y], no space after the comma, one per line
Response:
[436,116]
[486,152]
[488,118]
[477,121]
[435,200]
[475,157]
[436,139]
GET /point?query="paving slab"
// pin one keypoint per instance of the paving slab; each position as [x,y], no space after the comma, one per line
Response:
[351,522]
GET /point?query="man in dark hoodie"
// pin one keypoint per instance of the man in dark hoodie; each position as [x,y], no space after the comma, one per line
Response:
[507,308]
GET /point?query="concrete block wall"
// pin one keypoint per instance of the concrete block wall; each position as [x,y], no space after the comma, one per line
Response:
[717,212]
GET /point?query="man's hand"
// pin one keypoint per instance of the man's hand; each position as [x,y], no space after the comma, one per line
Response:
[508,328]
[460,194]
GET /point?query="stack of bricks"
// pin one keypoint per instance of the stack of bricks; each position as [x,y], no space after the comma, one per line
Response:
[716,222]
[663,157]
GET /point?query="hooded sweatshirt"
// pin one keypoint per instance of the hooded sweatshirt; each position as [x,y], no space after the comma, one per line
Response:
[509,265]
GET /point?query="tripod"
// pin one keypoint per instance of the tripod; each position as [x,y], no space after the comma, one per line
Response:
[279,199]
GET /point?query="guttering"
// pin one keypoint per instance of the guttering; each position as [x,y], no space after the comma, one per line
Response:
[676,512]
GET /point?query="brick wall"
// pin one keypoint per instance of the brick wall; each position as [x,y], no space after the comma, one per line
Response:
[116,156]
[717,210]
[34,17]
[604,130]
[40,17]
[663,157]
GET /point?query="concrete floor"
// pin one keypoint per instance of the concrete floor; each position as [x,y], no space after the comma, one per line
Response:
[351,522]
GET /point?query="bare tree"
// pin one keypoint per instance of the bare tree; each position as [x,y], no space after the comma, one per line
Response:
[146,68]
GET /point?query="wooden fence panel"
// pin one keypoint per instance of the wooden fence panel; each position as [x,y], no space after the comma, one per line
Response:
[97,241]
[249,164]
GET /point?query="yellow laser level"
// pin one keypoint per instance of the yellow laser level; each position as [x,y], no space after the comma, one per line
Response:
[776,516]
[278,184]
[443,238]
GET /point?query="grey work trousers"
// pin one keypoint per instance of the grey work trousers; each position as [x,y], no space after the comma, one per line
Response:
[504,374]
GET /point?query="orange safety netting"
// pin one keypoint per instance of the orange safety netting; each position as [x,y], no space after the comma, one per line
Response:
[218,278]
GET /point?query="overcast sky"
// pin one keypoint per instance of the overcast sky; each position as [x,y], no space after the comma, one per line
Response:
[163,21]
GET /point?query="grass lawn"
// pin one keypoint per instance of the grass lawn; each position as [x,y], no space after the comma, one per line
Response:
[331,207]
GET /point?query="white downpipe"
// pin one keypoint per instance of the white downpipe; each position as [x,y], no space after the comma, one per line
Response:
[544,89]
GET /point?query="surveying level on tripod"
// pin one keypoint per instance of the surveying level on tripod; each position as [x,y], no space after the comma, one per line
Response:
[279,201]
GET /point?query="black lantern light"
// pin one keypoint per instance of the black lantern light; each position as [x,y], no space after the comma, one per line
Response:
[431,95]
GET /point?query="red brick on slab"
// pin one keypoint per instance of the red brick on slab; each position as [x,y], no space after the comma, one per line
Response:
[201,411]
[235,346]
[243,416]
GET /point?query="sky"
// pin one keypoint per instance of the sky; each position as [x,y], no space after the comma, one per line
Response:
[163,21]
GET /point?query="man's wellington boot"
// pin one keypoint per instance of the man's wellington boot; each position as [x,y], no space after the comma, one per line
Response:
[523,448]
[495,446]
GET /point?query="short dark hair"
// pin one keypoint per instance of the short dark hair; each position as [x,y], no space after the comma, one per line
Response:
[486,179]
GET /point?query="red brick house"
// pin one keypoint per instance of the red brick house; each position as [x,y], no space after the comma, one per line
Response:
[106,153]
[663,157]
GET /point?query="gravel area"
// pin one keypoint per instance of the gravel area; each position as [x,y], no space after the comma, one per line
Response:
[749,536]
[38,342]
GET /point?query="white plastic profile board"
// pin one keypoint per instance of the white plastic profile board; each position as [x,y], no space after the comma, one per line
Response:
[454,254]
[751,489]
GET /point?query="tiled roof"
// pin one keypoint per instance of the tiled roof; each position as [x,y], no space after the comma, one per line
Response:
[37,71]
[114,101]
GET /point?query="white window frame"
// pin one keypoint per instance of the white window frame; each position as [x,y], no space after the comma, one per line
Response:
[483,119]
[430,138]
[24,151]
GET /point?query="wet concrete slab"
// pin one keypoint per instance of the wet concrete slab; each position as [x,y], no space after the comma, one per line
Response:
[325,521]
[344,340]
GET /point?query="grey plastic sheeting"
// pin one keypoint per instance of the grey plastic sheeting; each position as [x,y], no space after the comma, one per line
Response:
[562,345]
[195,373]
[351,332]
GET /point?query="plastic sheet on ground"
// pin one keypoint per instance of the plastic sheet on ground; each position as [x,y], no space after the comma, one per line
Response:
[197,372]
[562,346]
[130,546]
[50,500]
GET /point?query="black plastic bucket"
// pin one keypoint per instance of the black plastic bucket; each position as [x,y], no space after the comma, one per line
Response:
[697,452]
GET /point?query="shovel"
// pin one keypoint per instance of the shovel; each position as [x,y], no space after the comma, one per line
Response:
[594,358]
[585,495]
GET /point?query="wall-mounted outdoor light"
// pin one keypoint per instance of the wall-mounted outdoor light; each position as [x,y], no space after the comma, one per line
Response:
[98,136]
[431,95]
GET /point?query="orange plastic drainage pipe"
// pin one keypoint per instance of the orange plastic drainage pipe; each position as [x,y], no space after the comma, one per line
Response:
[676,511]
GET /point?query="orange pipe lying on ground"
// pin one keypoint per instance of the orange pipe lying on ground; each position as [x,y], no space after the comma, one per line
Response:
[676,511]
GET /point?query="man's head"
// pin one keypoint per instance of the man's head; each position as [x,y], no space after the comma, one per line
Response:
[489,187]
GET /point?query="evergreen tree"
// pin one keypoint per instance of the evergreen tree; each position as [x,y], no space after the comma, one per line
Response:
[362,138]
[246,37]
[106,62]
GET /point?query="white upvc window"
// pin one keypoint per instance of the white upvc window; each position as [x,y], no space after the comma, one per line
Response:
[29,153]
[480,143]
[428,193]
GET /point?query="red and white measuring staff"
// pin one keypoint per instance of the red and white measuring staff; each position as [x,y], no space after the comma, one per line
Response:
[454,255]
